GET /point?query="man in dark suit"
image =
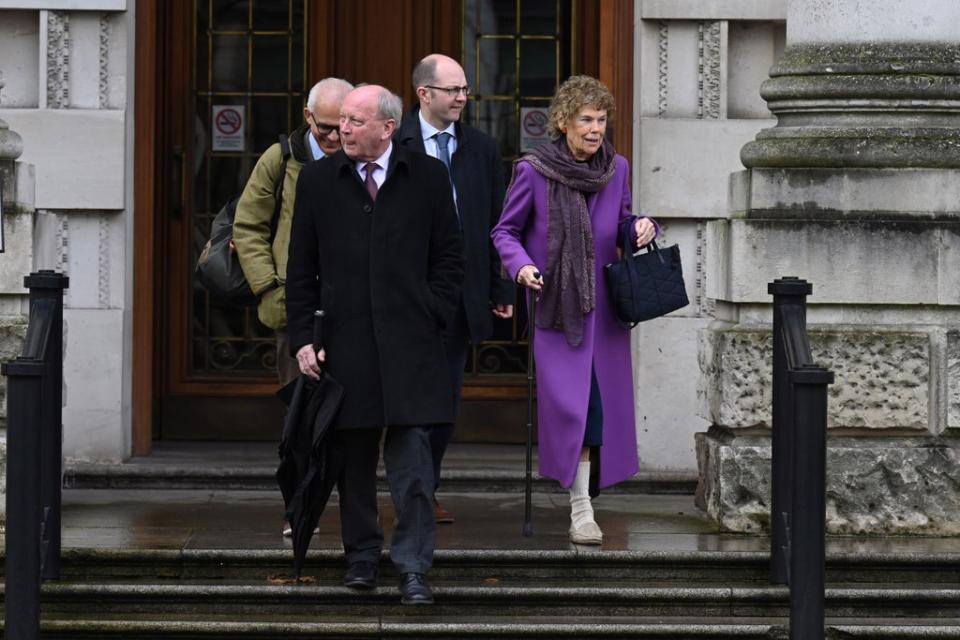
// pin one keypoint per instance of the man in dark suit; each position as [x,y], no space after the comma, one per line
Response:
[476,172]
[375,244]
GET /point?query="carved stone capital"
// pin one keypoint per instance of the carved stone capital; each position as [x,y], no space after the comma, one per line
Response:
[878,105]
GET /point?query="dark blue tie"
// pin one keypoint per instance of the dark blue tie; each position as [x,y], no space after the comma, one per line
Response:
[443,154]
[443,150]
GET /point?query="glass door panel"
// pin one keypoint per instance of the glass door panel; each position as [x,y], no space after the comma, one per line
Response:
[249,57]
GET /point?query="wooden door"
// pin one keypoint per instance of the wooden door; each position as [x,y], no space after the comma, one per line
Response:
[209,372]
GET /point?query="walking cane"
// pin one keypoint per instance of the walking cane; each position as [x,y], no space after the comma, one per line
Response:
[528,488]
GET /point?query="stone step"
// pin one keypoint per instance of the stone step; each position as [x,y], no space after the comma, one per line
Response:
[427,625]
[510,598]
[581,564]
[451,628]
[156,476]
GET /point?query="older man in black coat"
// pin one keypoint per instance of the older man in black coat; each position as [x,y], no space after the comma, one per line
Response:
[476,172]
[375,244]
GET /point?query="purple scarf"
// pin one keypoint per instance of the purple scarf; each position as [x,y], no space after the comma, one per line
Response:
[569,290]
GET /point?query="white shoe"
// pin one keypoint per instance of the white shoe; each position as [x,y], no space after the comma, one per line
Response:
[587,533]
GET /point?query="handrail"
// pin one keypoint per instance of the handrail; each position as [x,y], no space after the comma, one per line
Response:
[34,457]
[798,455]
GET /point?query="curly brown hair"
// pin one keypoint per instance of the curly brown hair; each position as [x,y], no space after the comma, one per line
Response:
[575,93]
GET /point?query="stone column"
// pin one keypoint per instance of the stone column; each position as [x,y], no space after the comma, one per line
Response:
[857,189]
[17,261]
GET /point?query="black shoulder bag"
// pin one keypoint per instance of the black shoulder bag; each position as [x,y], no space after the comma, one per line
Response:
[218,267]
[645,285]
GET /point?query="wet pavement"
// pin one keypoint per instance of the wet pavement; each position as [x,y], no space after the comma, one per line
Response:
[196,519]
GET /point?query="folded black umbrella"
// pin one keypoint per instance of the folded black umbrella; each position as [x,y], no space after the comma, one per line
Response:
[309,462]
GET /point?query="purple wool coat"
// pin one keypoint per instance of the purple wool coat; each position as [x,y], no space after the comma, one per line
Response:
[563,372]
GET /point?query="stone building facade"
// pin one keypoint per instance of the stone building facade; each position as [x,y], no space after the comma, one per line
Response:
[856,189]
[843,196]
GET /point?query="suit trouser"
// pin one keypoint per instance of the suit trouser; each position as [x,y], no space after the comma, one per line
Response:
[456,342]
[406,456]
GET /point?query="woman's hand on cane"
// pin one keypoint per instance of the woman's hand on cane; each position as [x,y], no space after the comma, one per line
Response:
[529,276]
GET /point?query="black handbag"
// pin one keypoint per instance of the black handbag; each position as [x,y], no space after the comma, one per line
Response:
[646,285]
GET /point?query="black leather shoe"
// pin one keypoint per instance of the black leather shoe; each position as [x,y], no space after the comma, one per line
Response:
[361,575]
[414,589]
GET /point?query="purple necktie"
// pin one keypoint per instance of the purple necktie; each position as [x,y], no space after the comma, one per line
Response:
[370,183]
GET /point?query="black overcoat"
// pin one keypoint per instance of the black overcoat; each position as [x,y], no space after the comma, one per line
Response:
[477,172]
[388,275]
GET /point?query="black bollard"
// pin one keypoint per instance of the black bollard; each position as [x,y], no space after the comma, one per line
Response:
[46,297]
[789,300]
[808,523]
[22,562]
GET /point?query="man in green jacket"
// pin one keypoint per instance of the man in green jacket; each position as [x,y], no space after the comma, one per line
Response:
[265,264]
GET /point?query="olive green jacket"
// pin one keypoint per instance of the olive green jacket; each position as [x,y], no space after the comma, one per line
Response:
[263,264]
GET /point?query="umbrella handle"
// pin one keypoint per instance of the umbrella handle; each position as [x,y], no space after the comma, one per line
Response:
[318,330]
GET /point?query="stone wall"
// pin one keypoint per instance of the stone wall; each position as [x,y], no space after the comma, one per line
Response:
[67,97]
[700,64]
[891,463]
[855,190]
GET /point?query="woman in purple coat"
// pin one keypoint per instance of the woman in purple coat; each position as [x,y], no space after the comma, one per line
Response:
[561,221]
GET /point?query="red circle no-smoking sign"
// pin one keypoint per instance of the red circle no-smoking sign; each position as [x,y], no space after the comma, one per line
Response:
[535,123]
[228,121]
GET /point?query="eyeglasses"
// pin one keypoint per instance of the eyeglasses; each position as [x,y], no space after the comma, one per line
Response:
[324,129]
[453,92]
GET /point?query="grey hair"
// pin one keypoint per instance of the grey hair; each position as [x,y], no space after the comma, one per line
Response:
[425,72]
[389,106]
[333,87]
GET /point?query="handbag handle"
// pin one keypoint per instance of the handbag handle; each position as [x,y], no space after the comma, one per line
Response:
[626,242]
[651,247]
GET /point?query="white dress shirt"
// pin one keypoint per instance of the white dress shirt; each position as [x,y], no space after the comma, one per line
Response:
[380,173]
[428,131]
[315,149]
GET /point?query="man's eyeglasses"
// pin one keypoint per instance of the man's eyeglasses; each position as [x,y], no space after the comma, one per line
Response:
[453,92]
[324,129]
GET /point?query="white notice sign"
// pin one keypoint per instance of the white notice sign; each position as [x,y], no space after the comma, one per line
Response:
[228,127]
[533,128]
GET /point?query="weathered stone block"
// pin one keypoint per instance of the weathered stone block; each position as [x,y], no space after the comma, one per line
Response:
[671,150]
[666,352]
[882,376]
[880,486]
[878,259]
[12,332]
[953,379]
[18,256]
[93,423]
[73,178]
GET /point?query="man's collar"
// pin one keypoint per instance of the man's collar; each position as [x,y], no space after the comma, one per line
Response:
[315,151]
[427,130]
[345,163]
[383,160]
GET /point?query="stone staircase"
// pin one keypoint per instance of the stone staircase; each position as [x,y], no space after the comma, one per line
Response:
[205,560]
[511,593]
